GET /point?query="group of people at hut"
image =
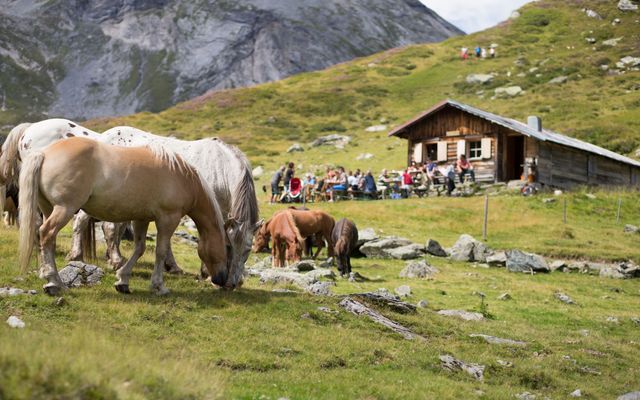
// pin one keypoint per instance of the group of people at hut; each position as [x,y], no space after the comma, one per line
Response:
[339,183]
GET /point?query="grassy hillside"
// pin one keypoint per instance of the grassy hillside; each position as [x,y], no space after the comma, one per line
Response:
[548,40]
[253,343]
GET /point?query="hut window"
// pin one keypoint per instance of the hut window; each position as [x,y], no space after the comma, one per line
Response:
[475,150]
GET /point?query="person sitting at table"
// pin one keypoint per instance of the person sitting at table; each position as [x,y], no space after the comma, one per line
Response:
[413,167]
[464,167]
[308,184]
[369,185]
[383,181]
[449,173]
[432,171]
[339,184]
[352,180]
[407,183]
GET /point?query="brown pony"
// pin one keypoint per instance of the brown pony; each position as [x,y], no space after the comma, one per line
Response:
[286,239]
[345,237]
[140,184]
[318,223]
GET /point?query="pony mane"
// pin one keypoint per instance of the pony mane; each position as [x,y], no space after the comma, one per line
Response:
[293,226]
[163,153]
[9,159]
[212,200]
[244,205]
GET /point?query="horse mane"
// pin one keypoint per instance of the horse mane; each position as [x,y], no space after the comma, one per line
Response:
[163,153]
[293,226]
[244,206]
[9,167]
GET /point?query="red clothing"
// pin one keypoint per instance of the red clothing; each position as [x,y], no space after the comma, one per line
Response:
[463,165]
[407,179]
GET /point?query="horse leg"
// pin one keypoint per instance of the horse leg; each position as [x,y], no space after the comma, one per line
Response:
[348,261]
[319,245]
[274,254]
[139,238]
[58,218]
[170,264]
[80,223]
[112,234]
[166,226]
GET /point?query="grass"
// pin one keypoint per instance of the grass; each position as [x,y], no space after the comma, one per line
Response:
[253,343]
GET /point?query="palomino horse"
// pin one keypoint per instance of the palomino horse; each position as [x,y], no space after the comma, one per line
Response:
[157,185]
[224,168]
[345,237]
[286,239]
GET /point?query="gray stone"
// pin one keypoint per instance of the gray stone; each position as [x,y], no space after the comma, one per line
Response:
[564,298]
[628,228]
[627,5]
[321,273]
[498,258]
[434,248]
[559,80]
[366,235]
[475,370]
[549,200]
[425,304]
[296,147]
[613,320]
[558,265]
[376,128]
[508,91]
[479,78]
[497,340]
[418,269]
[378,248]
[384,292]
[408,252]
[630,396]
[77,274]
[257,172]
[338,141]
[504,297]
[10,291]
[275,276]
[69,276]
[403,291]
[15,322]
[592,14]
[526,396]
[518,261]
[320,288]
[465,315]
[303,266]
[364,156]
[612,42]
[612,271]
[468,249]
[629,61]
[590,196]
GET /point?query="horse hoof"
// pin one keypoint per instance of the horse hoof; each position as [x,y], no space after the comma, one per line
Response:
[163,291]
[52,290]
[122,288]
[116,265]
[174,270]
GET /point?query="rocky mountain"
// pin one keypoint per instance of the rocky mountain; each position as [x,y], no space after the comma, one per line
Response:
[83,59]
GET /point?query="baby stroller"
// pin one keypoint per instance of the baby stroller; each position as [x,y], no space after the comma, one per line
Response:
[294,193]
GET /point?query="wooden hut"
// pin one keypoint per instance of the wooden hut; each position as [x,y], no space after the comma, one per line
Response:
[502,149]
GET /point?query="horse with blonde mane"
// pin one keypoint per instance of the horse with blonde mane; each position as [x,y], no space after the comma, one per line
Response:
[287,242]
[157,184]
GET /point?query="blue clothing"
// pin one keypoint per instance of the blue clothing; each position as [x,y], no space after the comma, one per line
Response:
[370,184]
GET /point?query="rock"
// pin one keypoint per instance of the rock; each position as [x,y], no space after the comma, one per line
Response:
[257,172]
[508,91]
[613,272]
[376,128]
[504,296]
[504,363]
[548,200]
[518,261]
[497,259]
[425,304]
[364,156]
[630,396]
[479,78]
[408,252]
[465,315]
[497,340]
[77,274]
[616,21]
[612,42]
[557,192]
[356,277]
[60,301]
[635,320]
[627,5]
[303,266]
[591,40]
[11,291]
[384,292]
[434,248]
[558,265]
[514,15]
[475,370]
[275,276]
[378,248]
[592,14]
[613,320]
[564,298]
[186,237]
[321,273]
[403,291]
[320,288]
[328,263]
[559,80]
[468,249]
[338,141]
[327,310]
[366,235]
[629,61]
[590,196]
[526,396]
[15,322]
[296,147]
[418,269]
[628,228]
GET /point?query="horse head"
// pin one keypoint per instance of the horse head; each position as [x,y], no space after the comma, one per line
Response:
[239,238]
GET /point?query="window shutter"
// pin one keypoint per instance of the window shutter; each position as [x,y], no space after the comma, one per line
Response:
[417,152]
[462,148]
[486,148]
[442,151]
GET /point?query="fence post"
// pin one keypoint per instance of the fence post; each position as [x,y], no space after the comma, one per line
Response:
[486,214]
[618,213]
[564,211]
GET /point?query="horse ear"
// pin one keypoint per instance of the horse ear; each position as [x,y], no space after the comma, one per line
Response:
[232,223]
[258,225]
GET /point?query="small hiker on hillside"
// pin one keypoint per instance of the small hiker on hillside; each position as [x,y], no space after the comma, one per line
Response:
[492,52]
[478,51]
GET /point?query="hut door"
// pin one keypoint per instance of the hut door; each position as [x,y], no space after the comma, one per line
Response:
[514,157]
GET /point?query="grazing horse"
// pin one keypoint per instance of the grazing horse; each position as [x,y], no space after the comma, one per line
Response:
[157,184]
[315,223]
[345,237]
[286,239]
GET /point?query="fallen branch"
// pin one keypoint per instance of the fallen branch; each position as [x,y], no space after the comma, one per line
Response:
[357,308]
[391,302]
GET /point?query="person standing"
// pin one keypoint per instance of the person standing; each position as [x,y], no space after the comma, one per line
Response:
[287,176]
[449,173]
[484,53]
[275,183]
[492,52]
[478,51]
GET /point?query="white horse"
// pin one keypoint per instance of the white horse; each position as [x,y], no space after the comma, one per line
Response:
[222,166]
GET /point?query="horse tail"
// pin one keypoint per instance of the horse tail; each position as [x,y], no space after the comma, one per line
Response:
[88,239]
[294,227]
[29,190]
[10,157]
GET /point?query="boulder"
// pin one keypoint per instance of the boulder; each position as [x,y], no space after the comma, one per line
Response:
[378,248]
[277,276]
[479,78]
[559,80]
[303,266]
[376,128]
[15,322]
[419,269]
[451,364]
[468,249]
[338,141]
[364,156]
[629,61]
[294,148]
[628,228]
[11,291]
[403,291]
[612,42]
[77,274]
[497,340]
[321,273]
[558,265]
[627,5]
[408,252]
[366,235]
[508,91]
[434,248]
[465,315]
[497,259]
[257,172]
[320,288]
[518,261]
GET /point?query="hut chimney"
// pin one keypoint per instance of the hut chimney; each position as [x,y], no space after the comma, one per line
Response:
[535,123]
